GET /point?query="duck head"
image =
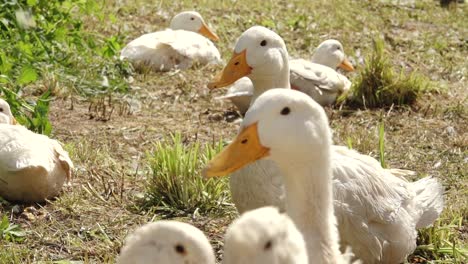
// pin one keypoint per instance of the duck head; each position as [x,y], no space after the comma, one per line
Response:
[192,21]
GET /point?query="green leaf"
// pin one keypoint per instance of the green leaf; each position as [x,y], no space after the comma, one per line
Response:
[28,74]
[31,2]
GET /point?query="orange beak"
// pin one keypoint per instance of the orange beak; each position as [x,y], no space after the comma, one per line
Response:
[245,149]
[205,31]
[235,69]
[346,65]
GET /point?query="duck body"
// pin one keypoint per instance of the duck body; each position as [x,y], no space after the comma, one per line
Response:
[171,49]
[33,167]
[320,82]
[374,206]
[319,77]
[179,47]
[378,212]
[240,94]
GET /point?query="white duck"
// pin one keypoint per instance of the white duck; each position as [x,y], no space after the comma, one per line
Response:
[377,211]
[314,77]
[264,236]
[318,78]
[167,242]
[33,167]
[304,159]
[180,46]
[240,94]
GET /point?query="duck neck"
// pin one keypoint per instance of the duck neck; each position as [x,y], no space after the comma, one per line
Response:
[323,60]
[280,79]
[309,202]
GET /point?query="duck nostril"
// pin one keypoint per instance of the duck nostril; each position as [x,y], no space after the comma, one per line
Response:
[237,63]
[244,141]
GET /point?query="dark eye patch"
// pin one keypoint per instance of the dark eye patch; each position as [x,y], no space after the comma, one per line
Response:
[263,43]
[268,245]
[285,111]
[180,249]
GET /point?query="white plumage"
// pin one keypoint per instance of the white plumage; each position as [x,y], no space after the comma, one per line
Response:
[264,236]
[377,210]
[304,160]
[33,167]
[167,242]
[240,94]
[317,78]
[178,47]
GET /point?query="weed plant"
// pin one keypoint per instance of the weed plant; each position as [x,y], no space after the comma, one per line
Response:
[176,183]
[378,85]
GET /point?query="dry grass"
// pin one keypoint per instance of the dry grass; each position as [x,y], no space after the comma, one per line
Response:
[89,221]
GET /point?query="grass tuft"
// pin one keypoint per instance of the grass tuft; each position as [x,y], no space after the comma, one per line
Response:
[176,183]
[382,143]
[32,115]
[378,85]
[441,242]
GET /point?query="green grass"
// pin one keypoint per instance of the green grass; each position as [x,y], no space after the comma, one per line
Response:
[176,183]
[45,48]
[382,143]
[378,85]
[10,232]
[440,241]
[34,116]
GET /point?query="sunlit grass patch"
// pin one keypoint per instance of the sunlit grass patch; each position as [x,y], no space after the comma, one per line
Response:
[47,40]
[33,116]
[176,183]
[378,85]
[15,256]
[441,241]
[10,232]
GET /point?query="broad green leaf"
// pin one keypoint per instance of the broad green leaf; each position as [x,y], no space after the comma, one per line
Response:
[31,2]
[28,74]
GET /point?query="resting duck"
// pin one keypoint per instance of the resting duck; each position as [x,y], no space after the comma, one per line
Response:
[167,242]
[33,167]
[318,78]
[179,47]
[378,211]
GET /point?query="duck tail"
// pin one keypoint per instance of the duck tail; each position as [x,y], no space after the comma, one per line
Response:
[429,197]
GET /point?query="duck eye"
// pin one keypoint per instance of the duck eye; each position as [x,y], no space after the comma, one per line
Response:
[192,18]
[1,109]
[180,249]
[285,111]
[268,245]
[263,43]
